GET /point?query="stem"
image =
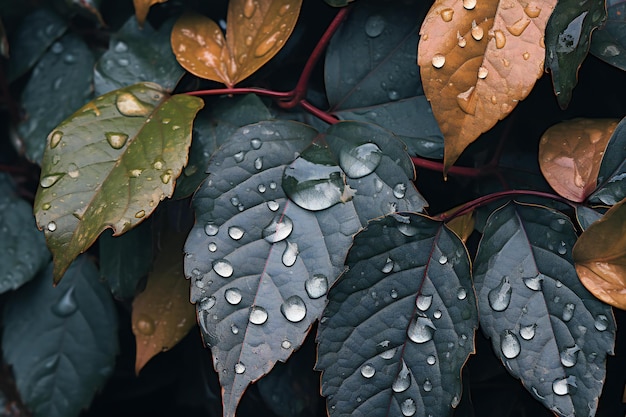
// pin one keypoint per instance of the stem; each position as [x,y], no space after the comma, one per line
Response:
[438,166]
[318,113]
[232,91]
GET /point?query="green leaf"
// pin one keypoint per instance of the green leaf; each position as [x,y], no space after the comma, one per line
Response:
[212,127]
[28,45]
[567,42]
[109,165]
[137,55]
[371,74]
[400,323]
[61,341]
[546,328]
[609,42]
[258,262]
[65,74]
[612,176]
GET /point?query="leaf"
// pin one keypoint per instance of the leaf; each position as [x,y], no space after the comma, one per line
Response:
[4,43]
[477,61]
[609,42]
[400,323]
[65,71]
[162,314]
[600,257]
[570,154]
[109,165]
[259,264]
[256,32]
[61,341]
[586,216]
[545,327]
[370,74]
[611,186]
[462,225]
[339,3]
[135,55]
[142,7]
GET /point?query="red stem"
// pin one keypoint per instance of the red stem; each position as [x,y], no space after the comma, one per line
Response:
[438,166]
[318,113]
[231,91]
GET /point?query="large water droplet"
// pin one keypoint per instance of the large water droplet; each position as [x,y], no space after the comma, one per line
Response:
[601,323]
[447,15]
[211,229]
[235,232]
[568,311]
[527,332]
[116,140]
[223,268]
[408,407]
[532,10]
[66,305]
[569,356]
[469,4]
[500,297]
[374,26]
[316,286]
[438,60]
[389,353]
[423,302]
[509,345]
[517,28]
[368,370]
[477,31]
[240,368]
[403,380]
[431,360]
[258,315]
[359,161]
[293,309]
[233,296]
[564,386]
[467,101]
[482,72]
[279,229]
[129,105]
[49,180]
[421,329]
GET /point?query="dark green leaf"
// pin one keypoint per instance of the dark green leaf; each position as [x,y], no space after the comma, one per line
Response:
[109,165]
[567,42]
[371,74]
[212,127]
[60,83]
[339,3]
[612,176]
[609,42]
[23,249]
[400,323]
[587,216]
[137,55]
[61,341]
[547,329]
[35,34]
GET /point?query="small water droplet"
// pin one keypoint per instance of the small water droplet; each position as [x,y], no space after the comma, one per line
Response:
[262,188]
[562,250]
[431,360]
[408,407]
[483,72]
[266,45]
[49,180]
[293,309]
[477,31]
[278,229]
[290,255]
[438,60]
[368,370]
[233,296]
[73,171]
[525,55]
[258,163]
[211,229]
[52,226]
[273,205]
[469,4]
[69,58]
[234,328]
[509,345]
[123,62]
[461,41]
[57,48]
[533,283]
[601,323]
[437,314]
[527,332]
[248,40]
[116,140]
[240,368]
[239,156]
[532,10]
[145,325]
[166,177]
[140,214]
[403,380]
[120,47]
[394,294]
[423,302]
[66,305]
[500,39]
[255,143]
[388,267]
[212,247]
[46,206]
[235,201]
[428,386]
[399,190]
[316,286]
[206,303]
[258,315]
[517,28]
[421,329]
[374,26]
[389,353]
[447,14]
[568,311]
[359,161]
[223,268]
[569,356]
[129,105]
[461,293]
[467,101]
[55,139]
[562,386]
[249,8]
[500,297]
[235,232]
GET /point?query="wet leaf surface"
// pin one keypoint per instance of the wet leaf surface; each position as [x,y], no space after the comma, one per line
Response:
[259,264]
[400,323]
[546,328]
[609,42]
[477,60]
[386,88]
[109,165]
[56,378]
[567,42]
[570,154]
[66,72]
[586,216]
[612,176]
[142,7]
[136,55]
[600,256]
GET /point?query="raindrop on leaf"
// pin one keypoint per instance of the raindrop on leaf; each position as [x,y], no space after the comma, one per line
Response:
[374,26]
[403,380]
[233,296]
[223,268]
[421,329]
[316,286]
[278,229]
[408,407]
[293,309]
[258,315]
[368,370]
[361,160]
[509,345]
[500,297]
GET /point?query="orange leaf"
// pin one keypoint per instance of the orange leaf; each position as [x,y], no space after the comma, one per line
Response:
[142,7]
[463,225]
[477,60]
[257,30]
[570,154]
[162,314]
[600,257]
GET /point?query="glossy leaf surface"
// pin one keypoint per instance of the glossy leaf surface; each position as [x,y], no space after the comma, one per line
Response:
[109,165]
[61,341]
[600,256]
[477,60]
[400,323]
[142,7]
[586,216]
[547,329]
[570,154]
[609,42]
[612,176]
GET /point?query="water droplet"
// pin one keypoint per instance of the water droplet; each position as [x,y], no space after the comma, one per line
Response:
[120,47]
[469,4]
[249,8]
[517,28]
[46,206]
[49,180]
[166,177]
[500,297]
[421,329]
[52,226]
[437,314]
[461,293]
[266,45]
[562,250]
[389,353]
[482,73]
[273,205]
[359,161]
[116,140]
[316,286]
[477,31]
[388,267]
[467,101]
[258,163]
[447,14]
[285,344]
[240,368]
[293,309]
[290,255]
[258,315]
[408,407]
[403,380]
[232,296]
[55,139]
[368,370]
[248,40]
[532,10]
[564,386]
[211,229]
[239,156]
[569,356]
[568,311]
[279,229]
[272,185]
[438,60]
[255,143]
[69,58]
[66,305]
[140,214]
[399,190]
[206,303]
[57,48]
[374,26]
[234,201]
[500,39]
[129,105]
[460,40]
[423,302]
[601,322]
[123,62]
[223,268]
[525,55]
[145,325]
[212,247]
[527,332]
[509,345]
[235,232]
[234,328]
[533,283]
[394,294]
[431,360]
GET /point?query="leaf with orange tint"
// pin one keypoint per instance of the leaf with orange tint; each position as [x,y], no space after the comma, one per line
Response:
[478,59]
[162,314]
[142,7]
[600,257]
[256,31]
[570,154]
[463,225]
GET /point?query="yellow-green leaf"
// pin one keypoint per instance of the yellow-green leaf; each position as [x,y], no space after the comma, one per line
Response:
[570,154]
[142,7]
[600,257]
[478,59]
[109,165]
[162,314]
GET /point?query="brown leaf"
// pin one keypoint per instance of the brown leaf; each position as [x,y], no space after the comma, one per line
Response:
[162,314]
[463,225]
[570,154]
[478,59]
[600,257]
[256,31]
[142,7]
